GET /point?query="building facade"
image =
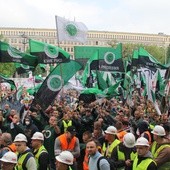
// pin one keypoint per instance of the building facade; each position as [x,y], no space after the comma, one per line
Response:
[18,37]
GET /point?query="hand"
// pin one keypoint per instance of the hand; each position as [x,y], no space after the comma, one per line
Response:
[128,162]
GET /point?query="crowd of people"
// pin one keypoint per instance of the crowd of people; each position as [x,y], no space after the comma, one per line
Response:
[72,134]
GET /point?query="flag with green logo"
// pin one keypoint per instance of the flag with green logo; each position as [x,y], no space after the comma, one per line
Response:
[11,54]
[109,59]
[70,30]
[47,53]
[54,83]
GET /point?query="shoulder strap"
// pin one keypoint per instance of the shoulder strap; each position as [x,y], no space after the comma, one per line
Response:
[98,162]
[29,155]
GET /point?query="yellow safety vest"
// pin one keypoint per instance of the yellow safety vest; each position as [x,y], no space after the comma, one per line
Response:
[110,149]
[143,165]
[155,154]
[37,155]
[66,125]
[121,155]
[21,160]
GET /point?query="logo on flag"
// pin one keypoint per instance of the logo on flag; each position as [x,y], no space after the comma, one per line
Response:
[71,29]
[25,66]
[12,52]
[109,57]
[51,51]
[54,83]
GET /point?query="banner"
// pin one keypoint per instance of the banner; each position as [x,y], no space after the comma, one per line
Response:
[47,53]
[11,54]
[71,30]
[55,82]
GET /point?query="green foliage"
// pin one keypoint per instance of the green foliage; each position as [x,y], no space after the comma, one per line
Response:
[39,71]
[168,55]
[7,69]
[156,51]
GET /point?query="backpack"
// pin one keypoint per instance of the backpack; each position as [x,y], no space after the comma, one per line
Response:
[103,157]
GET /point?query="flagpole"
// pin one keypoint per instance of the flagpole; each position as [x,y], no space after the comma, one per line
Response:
[56,18]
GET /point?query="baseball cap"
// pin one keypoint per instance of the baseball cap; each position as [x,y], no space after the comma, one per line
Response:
[71,129]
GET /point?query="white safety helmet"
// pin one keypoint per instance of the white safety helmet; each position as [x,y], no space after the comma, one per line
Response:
[158,130]
[142,142]
[38,136]
[111,130]
[20,138]
[129,140]
[65,157]
[9,157]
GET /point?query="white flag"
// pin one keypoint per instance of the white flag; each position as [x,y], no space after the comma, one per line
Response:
[71,30]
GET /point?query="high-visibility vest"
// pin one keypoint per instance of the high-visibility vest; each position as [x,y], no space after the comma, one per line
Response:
[143,165]
[121,134]
[149,136]
[37,155]
[10,147]
[155,154]
[66,125]
[86,161]
[21,160]
[64,143]
[110,149]
[121,155]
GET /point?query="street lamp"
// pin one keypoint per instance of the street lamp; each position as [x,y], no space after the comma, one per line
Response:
[24,41]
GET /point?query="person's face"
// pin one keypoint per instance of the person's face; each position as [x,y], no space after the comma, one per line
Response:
[70,135]
[35,143]
[91,148]
[20,146]
[142,150]
[52,120]
[7,165]
[109,137]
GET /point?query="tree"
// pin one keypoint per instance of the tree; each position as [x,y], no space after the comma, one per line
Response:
[168,55]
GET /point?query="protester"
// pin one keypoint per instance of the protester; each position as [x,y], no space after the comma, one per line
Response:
[123,154]
[7,142]
[39,151]
[111,141]
[160,148]
[143,160]
[8,161]
[26,160]
[92,150]
[68,141]
[50,132]
[64,160]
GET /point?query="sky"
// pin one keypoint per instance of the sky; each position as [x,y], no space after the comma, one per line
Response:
[137,16]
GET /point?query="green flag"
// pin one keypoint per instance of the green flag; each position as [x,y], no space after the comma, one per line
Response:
[4,79]
[11,54]
[146,60]
[54,83]
[109,59]
[47,53]
[87,71]
[113,90]
[101,82]
[22,68]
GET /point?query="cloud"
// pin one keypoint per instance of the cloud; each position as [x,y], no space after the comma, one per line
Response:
[122,16]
